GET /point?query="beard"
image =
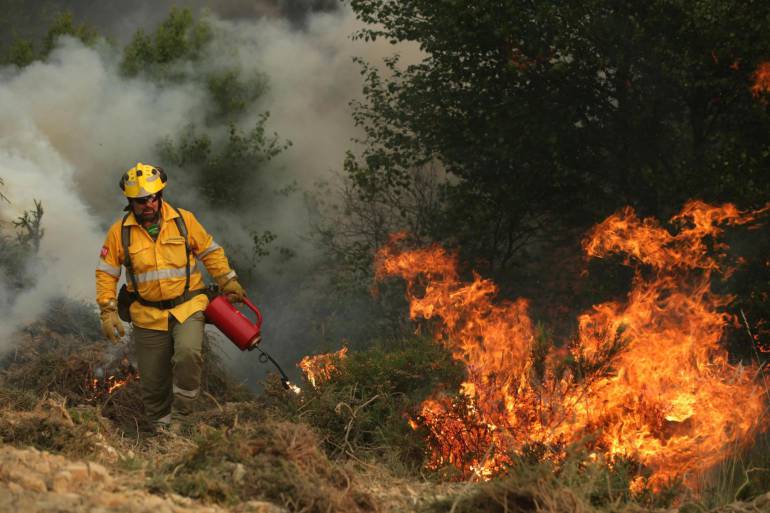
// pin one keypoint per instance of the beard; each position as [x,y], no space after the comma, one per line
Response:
[150,216]
[147,215]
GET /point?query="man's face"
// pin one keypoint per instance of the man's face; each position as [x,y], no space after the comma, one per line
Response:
[146,209]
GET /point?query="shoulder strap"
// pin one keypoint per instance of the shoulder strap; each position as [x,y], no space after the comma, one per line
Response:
[125,237]
[180,224]
[182,227]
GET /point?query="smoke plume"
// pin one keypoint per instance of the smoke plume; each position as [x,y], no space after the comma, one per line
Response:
[70,126]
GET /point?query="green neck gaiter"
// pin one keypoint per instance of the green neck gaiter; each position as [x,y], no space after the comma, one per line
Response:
[153,230]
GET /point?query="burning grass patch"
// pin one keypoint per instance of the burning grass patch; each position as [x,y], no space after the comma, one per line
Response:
[576,485]
[93,373]
[82,371]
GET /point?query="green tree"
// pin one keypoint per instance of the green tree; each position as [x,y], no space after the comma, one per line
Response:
[232,94]
[223,167]
[23,51]
[64,24]
[548,115]
[18,246]
[179,37]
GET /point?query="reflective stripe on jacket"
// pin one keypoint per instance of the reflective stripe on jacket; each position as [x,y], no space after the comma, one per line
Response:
[159,266]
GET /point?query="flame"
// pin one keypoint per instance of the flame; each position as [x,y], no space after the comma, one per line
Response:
[103,388]
[321,367]
[114,383]
[100,388]
[645,379]
[761,79]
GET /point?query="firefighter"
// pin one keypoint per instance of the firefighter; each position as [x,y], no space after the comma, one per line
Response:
[164,296]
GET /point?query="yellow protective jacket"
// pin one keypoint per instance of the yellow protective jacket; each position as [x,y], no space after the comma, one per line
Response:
[160,266]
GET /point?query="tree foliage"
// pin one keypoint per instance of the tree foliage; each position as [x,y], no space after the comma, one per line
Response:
[548,115]
[179,37]
[19,245]
[223,167]
[23,51]
[232,94]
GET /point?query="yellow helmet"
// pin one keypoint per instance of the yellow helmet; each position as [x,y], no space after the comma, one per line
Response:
[142,180]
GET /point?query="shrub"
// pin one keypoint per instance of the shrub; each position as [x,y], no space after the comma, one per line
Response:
[363,411]
[272,460]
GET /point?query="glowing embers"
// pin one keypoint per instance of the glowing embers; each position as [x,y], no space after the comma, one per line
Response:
[646,379]
[321,367]
[761,79]
[103,383]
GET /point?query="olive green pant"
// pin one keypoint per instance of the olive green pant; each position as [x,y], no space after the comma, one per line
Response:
[170,364]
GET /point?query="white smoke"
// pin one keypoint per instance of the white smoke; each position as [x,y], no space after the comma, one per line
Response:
[66,127]
[71,125]
[312,79]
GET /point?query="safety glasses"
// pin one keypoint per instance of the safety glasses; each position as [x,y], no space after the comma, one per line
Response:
[146,199]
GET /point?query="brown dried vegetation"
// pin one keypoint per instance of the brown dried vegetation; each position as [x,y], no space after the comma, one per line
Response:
[343,447]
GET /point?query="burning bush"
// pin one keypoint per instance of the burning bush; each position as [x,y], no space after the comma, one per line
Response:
[546,488]
[64,354]
[321,368]
[652,382]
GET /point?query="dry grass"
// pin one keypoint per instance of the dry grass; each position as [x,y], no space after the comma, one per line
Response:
[330,450]
[50,426]
[539,488]
[230,452]
[80,370]
[271,460]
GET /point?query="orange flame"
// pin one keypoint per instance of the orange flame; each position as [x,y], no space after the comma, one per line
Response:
[321,367]
[761,79]
[101,388]
[115,383]
[646,378]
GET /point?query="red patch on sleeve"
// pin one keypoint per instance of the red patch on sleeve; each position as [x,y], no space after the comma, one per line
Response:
[105,251]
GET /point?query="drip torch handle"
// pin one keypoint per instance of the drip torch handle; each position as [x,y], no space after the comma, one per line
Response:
[255,310]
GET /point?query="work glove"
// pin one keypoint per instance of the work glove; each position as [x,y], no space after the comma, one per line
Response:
[111,321]
[230,287]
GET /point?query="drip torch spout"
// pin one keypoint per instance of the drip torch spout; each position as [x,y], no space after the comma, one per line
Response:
[264,358]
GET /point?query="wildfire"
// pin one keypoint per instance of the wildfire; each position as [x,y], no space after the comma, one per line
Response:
[321,367]
[646,379]
[761,79]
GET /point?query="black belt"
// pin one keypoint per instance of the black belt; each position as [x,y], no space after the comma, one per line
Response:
[168,304]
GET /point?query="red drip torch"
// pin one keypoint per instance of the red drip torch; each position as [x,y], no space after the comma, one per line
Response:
[236,326]
[241,330]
